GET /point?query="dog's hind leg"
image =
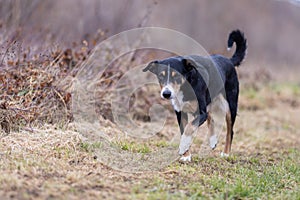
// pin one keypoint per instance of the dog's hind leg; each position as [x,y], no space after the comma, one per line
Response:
[217,112]
[213,139]
[232,92]
[228,135]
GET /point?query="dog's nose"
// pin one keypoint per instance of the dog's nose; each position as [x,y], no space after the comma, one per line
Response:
[167,94]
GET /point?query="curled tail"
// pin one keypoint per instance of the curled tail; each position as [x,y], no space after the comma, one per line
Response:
[241,46]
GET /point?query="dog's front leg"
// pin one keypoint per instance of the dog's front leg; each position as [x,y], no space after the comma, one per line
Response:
[182,119]
[187,137]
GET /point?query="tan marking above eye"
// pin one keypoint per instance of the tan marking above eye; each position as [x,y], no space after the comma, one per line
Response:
[173,74]
[163,73]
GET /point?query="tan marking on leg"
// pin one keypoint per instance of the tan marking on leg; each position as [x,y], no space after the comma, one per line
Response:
[190,106]
[228,136]
[190,129]
[208,119]
[210,124]
[184,121]
[187,138]
[213,138]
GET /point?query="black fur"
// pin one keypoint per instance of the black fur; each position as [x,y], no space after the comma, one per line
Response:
[241,45]
[198,72]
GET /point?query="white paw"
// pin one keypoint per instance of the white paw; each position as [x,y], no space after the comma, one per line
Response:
[185,159]
[224,155]
[185,143]
[213,140]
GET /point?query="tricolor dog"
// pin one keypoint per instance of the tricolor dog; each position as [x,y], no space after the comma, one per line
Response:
[202,85]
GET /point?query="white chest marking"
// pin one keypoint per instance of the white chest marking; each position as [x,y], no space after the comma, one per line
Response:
[177,102]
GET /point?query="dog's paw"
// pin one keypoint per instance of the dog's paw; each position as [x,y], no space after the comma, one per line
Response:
[224,155]
[187,157]
[213,141]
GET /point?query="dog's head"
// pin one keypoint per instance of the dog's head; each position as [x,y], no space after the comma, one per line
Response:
[172,73]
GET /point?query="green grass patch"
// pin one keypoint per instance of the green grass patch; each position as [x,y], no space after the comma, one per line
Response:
[236,177]
[133,146]
[286,88]
[89,147]
[250,93]
[161,143]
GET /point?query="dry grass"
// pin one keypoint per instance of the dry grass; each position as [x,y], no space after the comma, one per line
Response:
[43,155]
[57,163]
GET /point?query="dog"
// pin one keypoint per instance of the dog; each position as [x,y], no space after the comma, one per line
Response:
[202,86]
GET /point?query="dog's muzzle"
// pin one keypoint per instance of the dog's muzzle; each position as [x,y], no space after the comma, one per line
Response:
[166,93]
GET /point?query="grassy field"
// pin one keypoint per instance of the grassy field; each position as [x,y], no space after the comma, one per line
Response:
[55,163]
[58,62]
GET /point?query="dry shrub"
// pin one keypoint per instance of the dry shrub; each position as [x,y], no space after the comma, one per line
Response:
[37,70]
[38,89]
[32,93]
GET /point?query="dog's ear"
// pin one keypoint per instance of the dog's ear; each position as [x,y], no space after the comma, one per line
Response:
[152,67]
[188,64]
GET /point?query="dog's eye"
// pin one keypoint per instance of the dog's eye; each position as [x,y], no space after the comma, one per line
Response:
[160,76]
[176,76]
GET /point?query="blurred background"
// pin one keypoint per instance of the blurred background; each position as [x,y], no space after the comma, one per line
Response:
[272,27]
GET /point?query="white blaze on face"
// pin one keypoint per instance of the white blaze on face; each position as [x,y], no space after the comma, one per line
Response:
[168,86]
[176,95]
[168,80]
